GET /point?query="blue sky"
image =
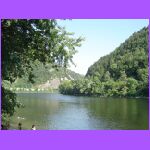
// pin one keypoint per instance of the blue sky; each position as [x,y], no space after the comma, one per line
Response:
[102,36]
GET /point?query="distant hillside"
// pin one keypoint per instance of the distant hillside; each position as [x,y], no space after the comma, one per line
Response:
[130,59]
[124,72]
[44,77]
[130,56]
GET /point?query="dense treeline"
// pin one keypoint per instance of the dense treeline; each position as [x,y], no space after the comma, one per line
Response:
[124,72]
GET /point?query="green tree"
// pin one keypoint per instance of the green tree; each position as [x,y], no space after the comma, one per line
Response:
[24,41]
[123,76]
[107,76]
[132,85]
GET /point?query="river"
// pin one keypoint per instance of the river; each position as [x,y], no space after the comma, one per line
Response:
[62,112]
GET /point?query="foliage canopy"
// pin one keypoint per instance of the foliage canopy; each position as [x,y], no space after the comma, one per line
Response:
[25,41]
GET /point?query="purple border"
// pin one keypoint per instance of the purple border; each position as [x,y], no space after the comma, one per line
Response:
[75,9]
[75,140]
[103,139]
[149,69]
[0,73]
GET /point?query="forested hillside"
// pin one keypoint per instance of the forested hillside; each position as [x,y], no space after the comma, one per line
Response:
[124,72]
[42,77]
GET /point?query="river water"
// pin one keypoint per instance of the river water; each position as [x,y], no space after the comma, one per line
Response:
[61,112]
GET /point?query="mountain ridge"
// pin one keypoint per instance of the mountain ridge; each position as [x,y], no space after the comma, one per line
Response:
[123,72]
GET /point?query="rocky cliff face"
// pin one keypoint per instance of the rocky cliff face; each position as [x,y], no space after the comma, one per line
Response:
[53,84]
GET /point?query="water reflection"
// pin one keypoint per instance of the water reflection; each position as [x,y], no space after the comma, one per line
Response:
[56,111]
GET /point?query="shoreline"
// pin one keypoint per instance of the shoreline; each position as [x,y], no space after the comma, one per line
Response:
[57,92]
